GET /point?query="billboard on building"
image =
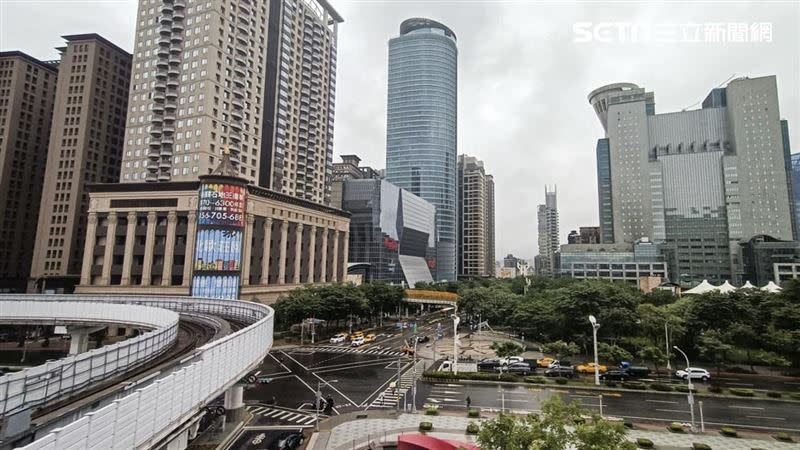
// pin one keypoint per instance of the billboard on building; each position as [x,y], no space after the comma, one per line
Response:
[218,243]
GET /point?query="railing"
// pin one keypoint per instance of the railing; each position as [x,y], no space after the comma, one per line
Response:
[146,416]
[58,379]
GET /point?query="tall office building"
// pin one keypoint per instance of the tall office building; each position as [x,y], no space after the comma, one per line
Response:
[421,148]
[85,147]
[27,92]
[702,181]
[476,218]
[254,78]
[546,263]
[605,205]
[795,176]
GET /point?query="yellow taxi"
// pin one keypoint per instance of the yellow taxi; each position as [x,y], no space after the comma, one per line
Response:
[356,335]
[589,368]
[545,362]
[369,338]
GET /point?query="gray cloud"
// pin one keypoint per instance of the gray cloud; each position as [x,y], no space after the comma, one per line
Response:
[522,81]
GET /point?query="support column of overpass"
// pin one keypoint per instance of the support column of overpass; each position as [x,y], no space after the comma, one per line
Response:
[234,405]
[79,338]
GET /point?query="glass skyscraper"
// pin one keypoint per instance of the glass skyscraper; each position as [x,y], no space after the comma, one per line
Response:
[421,147]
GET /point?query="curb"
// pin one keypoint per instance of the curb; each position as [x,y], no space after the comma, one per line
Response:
[601,389]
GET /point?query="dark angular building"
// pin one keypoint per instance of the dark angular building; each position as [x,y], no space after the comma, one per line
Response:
[762,253]
[392,233]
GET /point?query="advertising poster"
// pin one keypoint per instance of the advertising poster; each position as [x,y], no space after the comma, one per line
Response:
[221,204]
[218,250]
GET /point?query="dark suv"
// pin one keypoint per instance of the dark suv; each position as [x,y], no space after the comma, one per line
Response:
[560,371]
[488,365]
[615,374]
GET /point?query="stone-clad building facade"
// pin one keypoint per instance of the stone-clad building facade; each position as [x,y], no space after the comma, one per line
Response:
[141,239]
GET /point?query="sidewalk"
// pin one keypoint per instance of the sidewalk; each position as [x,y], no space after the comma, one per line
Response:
[347,433]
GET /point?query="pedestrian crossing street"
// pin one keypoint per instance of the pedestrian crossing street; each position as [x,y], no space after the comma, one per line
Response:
[357,350]
[390,397]
[282,415]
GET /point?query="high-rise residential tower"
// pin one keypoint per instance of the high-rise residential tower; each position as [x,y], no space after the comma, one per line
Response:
[702,181]
[85,147]
[421,147]
[546,264]
[476,218]
[256,79]
[27,92]
[795,175]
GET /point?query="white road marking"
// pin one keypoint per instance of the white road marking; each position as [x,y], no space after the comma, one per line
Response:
[662,401]
[432,400]
[765,417]
[673,411]
[746,407]
[272,413]
[741,384]
[445,392]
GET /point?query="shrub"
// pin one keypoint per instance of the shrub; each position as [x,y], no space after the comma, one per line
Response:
[579,421]
[634,385]
[675,427]
[425,426]
[660,387]
[473,413]
[700,446]
[611,384]
[728,432]
[627,424]
[536,380]
[644,443]
[473,428]
[683,388]
[796,395]
[714,389]
[774,394]
[783,437]
[431,412]
[742,392]
[533,416]
[561,381]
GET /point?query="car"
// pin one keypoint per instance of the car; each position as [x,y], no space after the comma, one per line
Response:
[638,371]
[339,338]
[291,442]
[510,360]
[422,339]
[357,341]
[694,373]
[407,349]
[560,371]
[488,365]
[369,338]
[356,335]
[545,362]
[516,367]
[616,375]
[555,363]
[589,368]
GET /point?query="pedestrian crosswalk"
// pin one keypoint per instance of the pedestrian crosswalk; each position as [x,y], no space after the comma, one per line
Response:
[281,415]
[391,396]
[358,350]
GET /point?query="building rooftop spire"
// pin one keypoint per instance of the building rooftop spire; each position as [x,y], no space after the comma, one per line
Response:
[225,167]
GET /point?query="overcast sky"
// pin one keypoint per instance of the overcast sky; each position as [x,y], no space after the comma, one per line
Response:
[523,79]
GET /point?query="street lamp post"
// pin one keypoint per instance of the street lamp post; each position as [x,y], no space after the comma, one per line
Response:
[595,327]
[414,386]
[456,319]
[689,380]
[318,400]
[666,334]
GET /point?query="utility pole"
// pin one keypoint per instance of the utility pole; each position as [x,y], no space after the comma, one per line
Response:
[397,384]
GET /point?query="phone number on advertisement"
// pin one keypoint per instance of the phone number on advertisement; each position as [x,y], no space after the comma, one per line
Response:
[215,215]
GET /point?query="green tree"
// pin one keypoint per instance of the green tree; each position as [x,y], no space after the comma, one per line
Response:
[771,359]
[744,337]
[560,349]
[712,346]
[653,354]
[613,353]
[506,349]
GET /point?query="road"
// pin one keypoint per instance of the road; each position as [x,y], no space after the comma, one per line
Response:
[655,407]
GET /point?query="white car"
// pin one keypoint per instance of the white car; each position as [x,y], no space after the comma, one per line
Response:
[357,341]
[554,364]
[694,373]
[510,360]
[339,338]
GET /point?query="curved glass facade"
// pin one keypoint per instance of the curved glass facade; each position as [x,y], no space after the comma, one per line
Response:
[421,147]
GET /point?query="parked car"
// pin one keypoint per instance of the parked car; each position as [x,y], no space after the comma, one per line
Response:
[291,442]
[359,341]
[517,367]
[339,338]
[488,365]
[589,368]
[638,371]
[422,339]
[615,374]
[694,373]
[369,338]
[545,362]
[560,371]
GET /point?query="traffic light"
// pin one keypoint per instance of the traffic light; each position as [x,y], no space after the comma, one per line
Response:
[264,380]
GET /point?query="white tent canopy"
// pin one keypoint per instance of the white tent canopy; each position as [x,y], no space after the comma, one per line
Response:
[747,285]
[726,287]
[701,288]
[772,288]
